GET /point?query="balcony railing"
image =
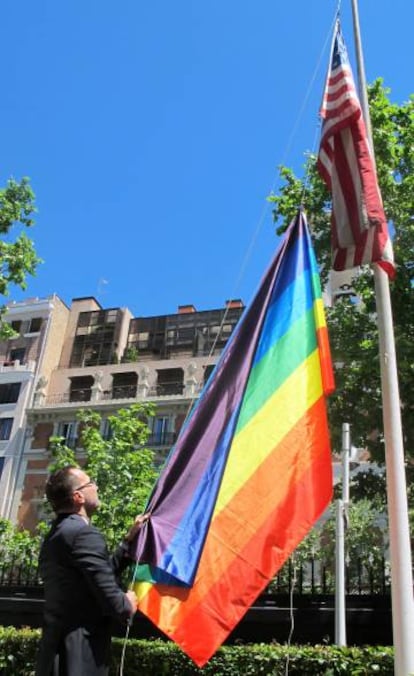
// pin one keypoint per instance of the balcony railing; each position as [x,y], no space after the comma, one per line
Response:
[83,394]
[69,397]
[121,392]
[167,389]
[16,365]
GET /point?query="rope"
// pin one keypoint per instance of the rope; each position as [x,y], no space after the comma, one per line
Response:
[265,209]
[245,261]
[305,187]
[310,87]
[291,614]
[128,629]
[319,123]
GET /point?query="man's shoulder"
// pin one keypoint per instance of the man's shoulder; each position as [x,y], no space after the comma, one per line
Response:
[67,526]
[73,522]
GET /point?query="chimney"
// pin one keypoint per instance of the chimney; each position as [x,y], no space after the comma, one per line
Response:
[234,303]
[186,309]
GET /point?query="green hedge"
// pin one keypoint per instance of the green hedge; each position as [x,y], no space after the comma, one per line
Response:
[160,658]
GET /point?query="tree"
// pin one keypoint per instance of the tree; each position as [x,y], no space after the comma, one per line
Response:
[122,467]
[313,562]
[19,548]
[17,258]
[352,326]
[366,539]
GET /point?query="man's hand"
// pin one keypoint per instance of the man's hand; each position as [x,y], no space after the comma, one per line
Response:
[139,521]
[132,600]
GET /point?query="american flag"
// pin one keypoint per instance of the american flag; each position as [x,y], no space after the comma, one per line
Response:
[345,162]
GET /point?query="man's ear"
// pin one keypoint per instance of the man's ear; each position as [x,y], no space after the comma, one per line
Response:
[78,499]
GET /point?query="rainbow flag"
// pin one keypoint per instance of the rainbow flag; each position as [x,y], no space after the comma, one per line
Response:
[251,471]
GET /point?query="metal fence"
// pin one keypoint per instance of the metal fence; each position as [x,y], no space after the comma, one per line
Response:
[313,577]
[20,572]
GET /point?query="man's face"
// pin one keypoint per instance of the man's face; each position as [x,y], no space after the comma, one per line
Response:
[86,491]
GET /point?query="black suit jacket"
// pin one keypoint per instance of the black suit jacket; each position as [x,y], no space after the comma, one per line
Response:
[81,597]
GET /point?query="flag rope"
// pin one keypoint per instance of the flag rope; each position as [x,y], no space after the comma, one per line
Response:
[128,628]
[291,613]
[266,207]
[258,228]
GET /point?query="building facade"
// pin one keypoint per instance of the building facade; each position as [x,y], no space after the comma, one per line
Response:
[39,326]
[109,360]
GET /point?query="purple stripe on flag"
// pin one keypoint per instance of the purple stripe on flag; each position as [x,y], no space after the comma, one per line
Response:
[201,438]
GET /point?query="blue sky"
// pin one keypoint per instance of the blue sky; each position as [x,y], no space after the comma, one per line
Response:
[152,132]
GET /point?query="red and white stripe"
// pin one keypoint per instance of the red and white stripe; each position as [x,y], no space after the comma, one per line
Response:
[359,227]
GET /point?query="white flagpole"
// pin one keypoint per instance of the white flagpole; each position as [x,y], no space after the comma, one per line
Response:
[400,545]
[341,521]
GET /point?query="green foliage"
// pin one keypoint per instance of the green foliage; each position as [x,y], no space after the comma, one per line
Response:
[366,544]
[160,658]
[18,649]
[62,456]
[122,467]
[352,326]
[131,355]
[17,546]
[367,484]
[17,258]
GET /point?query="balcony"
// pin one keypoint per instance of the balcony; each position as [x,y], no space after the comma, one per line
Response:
[16,365]
[73,396]
[121,392]
[167,389]
[83,394]
[118,393]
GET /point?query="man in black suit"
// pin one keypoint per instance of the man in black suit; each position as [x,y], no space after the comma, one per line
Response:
[82,594]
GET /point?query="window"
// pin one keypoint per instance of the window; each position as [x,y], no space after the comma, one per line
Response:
[6,425]
[106,429]
[208,370]
[124,385]
[16,325]
[17,354]
[95,338]
[143,339]
[80,388]
[161,431]
[170,381]
[9,393]
[68,430]
[35,325]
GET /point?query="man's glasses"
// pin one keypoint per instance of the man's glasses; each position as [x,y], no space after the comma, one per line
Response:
[91,482]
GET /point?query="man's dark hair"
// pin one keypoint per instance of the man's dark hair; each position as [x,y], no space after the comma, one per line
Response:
[59,489]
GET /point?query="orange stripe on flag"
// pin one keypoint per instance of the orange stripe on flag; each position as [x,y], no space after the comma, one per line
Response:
[204,627]
[245,515]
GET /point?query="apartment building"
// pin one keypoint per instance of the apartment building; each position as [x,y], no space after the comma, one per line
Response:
[39,326]
[109,360]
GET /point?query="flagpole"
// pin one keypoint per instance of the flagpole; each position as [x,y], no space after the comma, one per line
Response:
[341,522]
[400,545]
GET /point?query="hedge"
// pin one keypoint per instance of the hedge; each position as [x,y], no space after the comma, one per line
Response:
[161,658]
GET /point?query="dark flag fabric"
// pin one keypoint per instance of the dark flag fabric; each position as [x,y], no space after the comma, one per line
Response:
[359,227]
[251,471]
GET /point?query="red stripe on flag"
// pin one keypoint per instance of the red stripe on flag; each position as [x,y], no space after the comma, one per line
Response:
[347,186]
[356,199]
[203,629]
[328,379]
